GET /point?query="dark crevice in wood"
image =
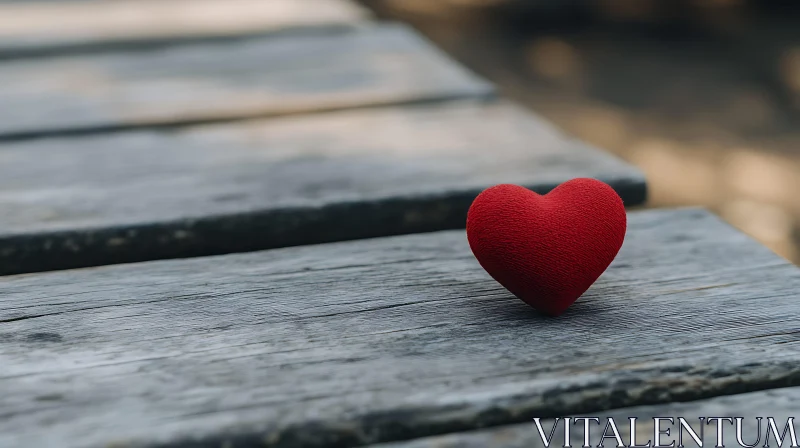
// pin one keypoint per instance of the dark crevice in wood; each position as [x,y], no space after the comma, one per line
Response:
[247,232]
[57,50]
[487,95]
[392,426]
[16,319]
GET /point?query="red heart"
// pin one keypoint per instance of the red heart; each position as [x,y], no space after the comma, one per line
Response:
[547,250]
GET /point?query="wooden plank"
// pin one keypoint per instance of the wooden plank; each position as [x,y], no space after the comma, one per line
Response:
[378,340]
[28,28]
[111,198]
[326,69]
[780,404]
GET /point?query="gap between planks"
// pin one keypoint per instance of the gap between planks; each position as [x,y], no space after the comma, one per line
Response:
[780,404]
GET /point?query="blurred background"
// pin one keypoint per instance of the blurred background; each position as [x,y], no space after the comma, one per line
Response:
[702,95]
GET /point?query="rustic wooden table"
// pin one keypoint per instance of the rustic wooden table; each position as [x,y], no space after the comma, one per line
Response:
[126,137]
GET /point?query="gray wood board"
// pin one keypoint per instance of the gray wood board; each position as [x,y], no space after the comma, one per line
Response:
[197,82]
[780,404]
[383,339]
[30,28]
[153,194]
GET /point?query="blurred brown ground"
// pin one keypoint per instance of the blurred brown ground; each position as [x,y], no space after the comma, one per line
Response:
[704,96]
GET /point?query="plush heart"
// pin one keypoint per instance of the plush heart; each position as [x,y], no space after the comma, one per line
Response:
[547,249]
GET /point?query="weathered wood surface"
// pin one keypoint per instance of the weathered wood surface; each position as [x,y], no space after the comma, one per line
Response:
[151,194]
[28,27]
[780,404]
[384,339]
[291,73]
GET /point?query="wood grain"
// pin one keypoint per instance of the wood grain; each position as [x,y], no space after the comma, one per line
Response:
[32,28]
[197,82]
[384,339]
[780,404]
[152,194]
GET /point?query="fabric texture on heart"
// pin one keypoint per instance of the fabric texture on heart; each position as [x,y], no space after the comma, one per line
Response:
[547,249]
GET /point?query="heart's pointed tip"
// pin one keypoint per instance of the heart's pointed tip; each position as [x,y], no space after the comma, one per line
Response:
[548,309]
[553,313]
